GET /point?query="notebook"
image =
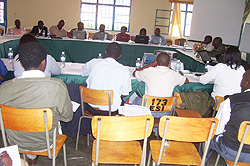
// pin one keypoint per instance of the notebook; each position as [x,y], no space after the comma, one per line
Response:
[78,34]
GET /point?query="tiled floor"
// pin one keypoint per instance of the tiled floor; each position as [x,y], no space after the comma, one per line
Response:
[82,157]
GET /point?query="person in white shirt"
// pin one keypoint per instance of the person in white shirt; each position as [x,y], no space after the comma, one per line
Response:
[108,74]
[52,68]
[226,76]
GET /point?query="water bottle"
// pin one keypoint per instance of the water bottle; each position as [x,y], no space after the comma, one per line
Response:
[87,35]
[206,67]
[160,41]
[48,34]
[43,33]
[105,36]
[10,55]
[166,143]
[114,37]
[63,59]
[138,63]
[185,46]
[11,32]
[99,56]
[178,66]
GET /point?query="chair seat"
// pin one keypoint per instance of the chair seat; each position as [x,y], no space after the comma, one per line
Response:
[180,153]
[187,113]
[128,152]
[238,164]
[59,143]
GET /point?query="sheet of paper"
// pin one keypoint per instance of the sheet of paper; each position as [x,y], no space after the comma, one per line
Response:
[75,105]
[133,110]
[13,153]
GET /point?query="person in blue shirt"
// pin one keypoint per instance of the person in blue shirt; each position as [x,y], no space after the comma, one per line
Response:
[3,71]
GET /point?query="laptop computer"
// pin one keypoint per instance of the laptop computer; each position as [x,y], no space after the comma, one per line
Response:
[205,57]
[78,34]
[141,39]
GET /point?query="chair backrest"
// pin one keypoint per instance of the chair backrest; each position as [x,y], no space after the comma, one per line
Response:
[19,119]
[159,104]
[218,100]
[91,35]
[179,100]
[9,27]
[178,41]
[2,28]
[96,97]
[122,128]
[169,42]
[111,36]
[28,29]
[187,129]
[132,38]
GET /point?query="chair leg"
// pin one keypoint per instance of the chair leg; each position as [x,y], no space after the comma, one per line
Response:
[64,155]
[78,132]
[149,158]
[93,163]
[24,156]
[88,139]
[217,160]
[154,163]
[54,161]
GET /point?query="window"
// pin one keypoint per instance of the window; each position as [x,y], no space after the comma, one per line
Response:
[112,13]
[186,18]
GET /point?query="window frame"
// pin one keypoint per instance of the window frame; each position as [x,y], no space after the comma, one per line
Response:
[113,17]
[185,19]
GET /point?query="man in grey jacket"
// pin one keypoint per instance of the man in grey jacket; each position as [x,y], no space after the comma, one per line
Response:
[34,90]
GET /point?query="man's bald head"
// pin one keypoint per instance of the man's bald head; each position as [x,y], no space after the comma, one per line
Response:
[163,59]
[245,83]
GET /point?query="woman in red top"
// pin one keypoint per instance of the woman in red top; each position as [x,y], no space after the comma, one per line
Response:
[123,36]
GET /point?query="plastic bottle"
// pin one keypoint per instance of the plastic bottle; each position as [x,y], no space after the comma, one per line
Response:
[178,66]
[11,32]
[138,63]
[43,33]
[99,56]
[206,66]
[114,37]
[63,59]
[160,41]
[105,36]
[166,143]
[48,35]
[185,46]
[87,35]
[10,55]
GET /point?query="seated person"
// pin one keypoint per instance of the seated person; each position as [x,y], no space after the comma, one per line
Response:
[101,34]
[208,43]
[108,74]
[232,112]
[58,30]
[159,79]
[40,29]
[17,30]
[80,27]
[52,68]
[3,71]
[219,49]
[138,39]
[157,38]
[123,36]
[226,76]
[34,90]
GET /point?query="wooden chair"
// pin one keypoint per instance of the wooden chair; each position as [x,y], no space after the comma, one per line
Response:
[33,120]
[96,97]
[159,105]
[180,133]
[132,38]
[116,139]
[91,35]
[244,138]
[178,41]
[218,101]
[111,36]
[169,42]
[28,29]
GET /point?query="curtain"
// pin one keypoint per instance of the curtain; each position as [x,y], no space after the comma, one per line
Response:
[246,11]
[182,1]
[176,20]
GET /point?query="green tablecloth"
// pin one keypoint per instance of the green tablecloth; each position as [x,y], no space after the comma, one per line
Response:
[82,51]
[139,87]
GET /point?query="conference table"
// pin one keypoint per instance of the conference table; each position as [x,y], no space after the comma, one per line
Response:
[80,51]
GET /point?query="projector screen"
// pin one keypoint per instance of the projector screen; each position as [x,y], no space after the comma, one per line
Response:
[222,18]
